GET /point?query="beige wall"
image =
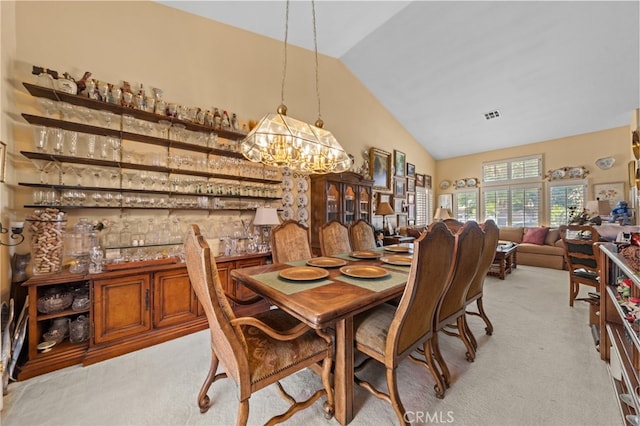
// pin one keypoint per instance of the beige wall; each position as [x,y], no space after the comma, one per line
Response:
[573,151]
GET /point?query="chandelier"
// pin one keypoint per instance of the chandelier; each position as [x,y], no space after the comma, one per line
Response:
[281,141]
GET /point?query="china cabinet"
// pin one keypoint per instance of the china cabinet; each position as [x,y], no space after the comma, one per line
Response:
[619,339]
[345,197]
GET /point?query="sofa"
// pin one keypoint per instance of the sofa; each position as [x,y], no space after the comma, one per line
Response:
[539,246]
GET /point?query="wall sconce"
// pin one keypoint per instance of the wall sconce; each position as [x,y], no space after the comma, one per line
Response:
[16,233]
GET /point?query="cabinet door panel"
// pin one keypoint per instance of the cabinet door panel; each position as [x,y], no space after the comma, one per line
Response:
[240,291]
[174,302]
[121,307]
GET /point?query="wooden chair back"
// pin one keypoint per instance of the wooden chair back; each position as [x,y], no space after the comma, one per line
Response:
[289,242]
[203,274]
[581,256]
[468,251]
[334,238]
[454,225]
[430,274]
[362,235]
[491,237]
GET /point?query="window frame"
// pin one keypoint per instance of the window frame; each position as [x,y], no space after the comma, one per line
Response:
[565,183]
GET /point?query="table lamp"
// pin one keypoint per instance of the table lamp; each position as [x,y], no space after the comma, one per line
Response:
[384,209]
[441,214]
[266,217]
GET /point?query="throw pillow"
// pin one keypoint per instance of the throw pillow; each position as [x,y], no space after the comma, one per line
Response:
[552,237]
[535,235]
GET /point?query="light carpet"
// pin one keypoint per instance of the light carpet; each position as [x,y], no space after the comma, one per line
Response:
[540,367]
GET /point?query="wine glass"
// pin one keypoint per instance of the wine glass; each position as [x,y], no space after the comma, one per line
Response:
[178,130]
[129,123]
[48,106]
[43,167]
[104,147]
[40,138]
[107,117]
[97,198]
[97,176]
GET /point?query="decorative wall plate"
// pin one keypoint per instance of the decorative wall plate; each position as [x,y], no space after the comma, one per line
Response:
[287,199]
[577,172]
[461,183]
[471,182]
[287,183]
[303,215]
[287,213]
[302,200]
[558,174]
[302,184]
[605,163]
[445,184]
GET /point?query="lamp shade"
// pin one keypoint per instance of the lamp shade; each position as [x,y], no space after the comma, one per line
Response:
[266,216]
[384,209]
[441,214]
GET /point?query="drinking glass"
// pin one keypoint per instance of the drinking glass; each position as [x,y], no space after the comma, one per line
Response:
[91,145]
[115,145]
[129,123]
[178,131]
[43,167]
[67,110]
[107,117]
[104,147]
[97,198]
[48,106]
[40,139]
[57,140]
[71,140]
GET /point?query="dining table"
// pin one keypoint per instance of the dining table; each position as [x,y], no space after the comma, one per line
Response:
[327,292]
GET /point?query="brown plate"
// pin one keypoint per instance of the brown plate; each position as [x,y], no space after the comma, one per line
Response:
[326,262]
[303,273]
[365,254]
[397,260]
[364,271]
[397,249]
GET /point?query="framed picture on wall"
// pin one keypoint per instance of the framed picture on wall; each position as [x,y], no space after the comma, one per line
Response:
[402,220]
[420,180]
[400,187]
[411,170]
[400,162]
[3,161]
[446,201]
[612,192]
[427,181]
[411,185]
[380,169]
[411,198]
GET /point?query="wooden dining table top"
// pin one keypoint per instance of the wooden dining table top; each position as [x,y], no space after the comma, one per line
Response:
[322,302]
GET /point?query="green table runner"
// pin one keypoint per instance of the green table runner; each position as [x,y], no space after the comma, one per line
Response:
[376,284]
[287,286]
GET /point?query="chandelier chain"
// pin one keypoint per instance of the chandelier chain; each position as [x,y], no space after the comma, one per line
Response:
[284,61]
[315,47]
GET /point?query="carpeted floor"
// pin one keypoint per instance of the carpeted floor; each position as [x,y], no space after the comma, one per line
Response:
[540,367]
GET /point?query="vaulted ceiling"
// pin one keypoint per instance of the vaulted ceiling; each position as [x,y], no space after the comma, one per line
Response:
[550,69]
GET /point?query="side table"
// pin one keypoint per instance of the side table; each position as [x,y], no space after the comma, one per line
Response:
[504,261]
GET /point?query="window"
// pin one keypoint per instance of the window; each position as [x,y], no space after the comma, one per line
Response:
[516,205]
[465,205]
[513,170]
[565,198]
[424,206]
[511,192]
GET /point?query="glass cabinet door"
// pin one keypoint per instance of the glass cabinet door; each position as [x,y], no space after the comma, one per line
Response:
[333,202]
[349,204]
[364,204]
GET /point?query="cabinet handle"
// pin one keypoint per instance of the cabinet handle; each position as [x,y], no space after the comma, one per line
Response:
[146,299]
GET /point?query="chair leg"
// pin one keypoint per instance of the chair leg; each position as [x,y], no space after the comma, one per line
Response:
[471,353]
[485,318]
[396,403]
[440,386]
[572,292]
[243,413]
[470,335]
[446,375]
[203,399]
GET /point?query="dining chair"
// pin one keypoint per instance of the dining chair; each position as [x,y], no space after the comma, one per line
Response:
[289,242]
[334,238]
[581,257]
[254,351]
[468,251]
[476,289]
[362,235]
[453,224]
[388,334]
